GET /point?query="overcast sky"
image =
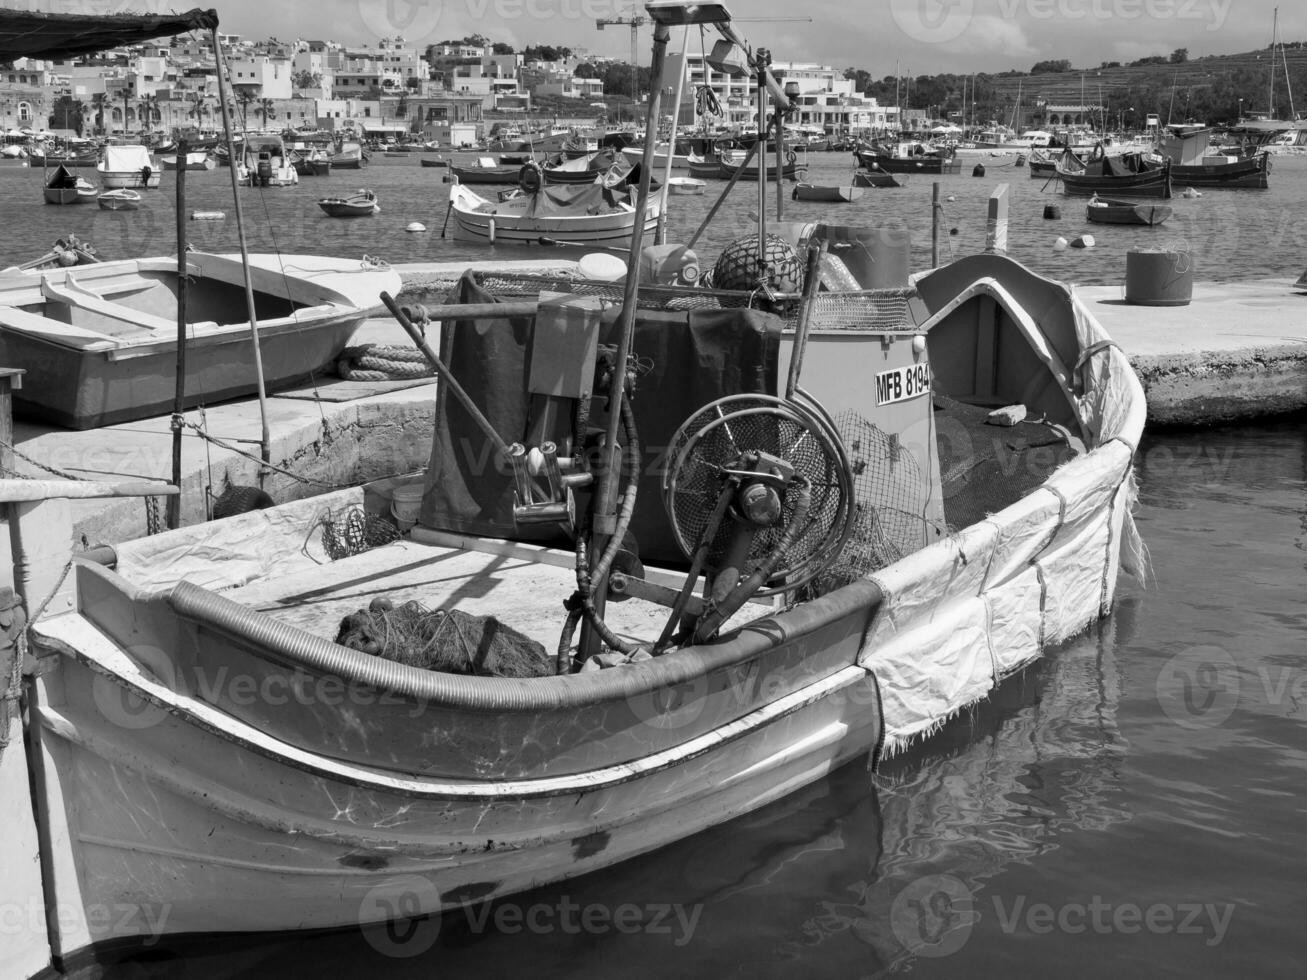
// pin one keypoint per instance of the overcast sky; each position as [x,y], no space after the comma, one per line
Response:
[920,36]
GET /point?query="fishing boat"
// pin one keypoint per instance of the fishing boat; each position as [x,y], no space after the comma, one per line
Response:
[909,157]
[100,343]
[311,162]
[724,166]
[433,162]
[601,164]
[1043,166]
[582,214]
[362,203]
[680,160]
[65,187]
[489,170]
[431,789]
[1194,162]
[685,185]
[350,155]
[265,162]
[1104,211]
[119,200]
[827,193]
[878,178]
[128,166]
[195,160]
[1127,175]
[220,742]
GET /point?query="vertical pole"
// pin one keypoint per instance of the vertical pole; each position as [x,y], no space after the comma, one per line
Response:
[780,164]
[763,59]
[9,379]
[603,520]
[179,396]
[996,226]
[934,225]
[661,237]
[265,438]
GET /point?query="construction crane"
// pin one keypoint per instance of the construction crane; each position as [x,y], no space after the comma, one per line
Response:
[639,20]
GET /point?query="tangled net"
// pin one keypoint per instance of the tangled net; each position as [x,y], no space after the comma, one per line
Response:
[452,641]
[353,531]
[738,266]
[377,362]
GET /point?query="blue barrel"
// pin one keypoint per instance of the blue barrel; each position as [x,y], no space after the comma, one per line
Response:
[1158,277]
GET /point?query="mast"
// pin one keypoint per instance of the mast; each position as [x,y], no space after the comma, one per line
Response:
[1275,30]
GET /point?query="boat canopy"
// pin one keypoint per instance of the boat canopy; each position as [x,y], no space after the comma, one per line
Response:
[29,34]
[126,159]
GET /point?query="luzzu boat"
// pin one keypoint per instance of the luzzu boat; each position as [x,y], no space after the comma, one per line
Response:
[561,214]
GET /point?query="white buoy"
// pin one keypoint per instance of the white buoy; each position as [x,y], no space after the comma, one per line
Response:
[1083,241]
[951,197]
[1191,193]
[415,226]
[1059,245]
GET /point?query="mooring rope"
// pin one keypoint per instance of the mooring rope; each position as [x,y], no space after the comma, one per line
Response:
[377,362]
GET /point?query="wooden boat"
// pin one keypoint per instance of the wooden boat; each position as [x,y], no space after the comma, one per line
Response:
[65,187]
[81,158]
[362,203]
[1195,164]
[910,157]
[195,160]
[128,166]
[601,164]
[1042,166]
[488,170]
[724,167]
[878,178]
[1108,212]
[589,214]
[1124,176]
[437,162]
[685,185]
[119,200]
[820,192]
[100,343]
[311,162]
[347,785]
[349,156]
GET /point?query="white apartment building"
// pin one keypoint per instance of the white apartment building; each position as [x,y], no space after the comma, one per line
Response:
[827,100]
[269,75]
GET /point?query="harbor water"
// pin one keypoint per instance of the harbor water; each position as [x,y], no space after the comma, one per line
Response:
[1131,805]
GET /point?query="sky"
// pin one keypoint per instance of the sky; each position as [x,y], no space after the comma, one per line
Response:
[917,37]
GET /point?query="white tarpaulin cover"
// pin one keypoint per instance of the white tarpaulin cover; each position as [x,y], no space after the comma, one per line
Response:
[126,159]
[960,615]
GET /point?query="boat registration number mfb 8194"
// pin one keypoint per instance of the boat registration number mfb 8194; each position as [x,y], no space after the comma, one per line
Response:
[900,384]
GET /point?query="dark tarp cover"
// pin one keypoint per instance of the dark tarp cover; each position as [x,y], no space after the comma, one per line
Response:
[696,357]
[29,34]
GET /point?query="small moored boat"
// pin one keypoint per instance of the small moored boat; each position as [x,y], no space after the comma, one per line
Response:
[129,166]
[559,214]
[119,200]
[360,204]
[65,187]
[1104,211]
[878,178]
[685,185]
[826,193]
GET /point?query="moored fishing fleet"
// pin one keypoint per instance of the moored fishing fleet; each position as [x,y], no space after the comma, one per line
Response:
[690,533]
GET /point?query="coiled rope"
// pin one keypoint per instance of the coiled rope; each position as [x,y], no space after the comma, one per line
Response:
[378,362]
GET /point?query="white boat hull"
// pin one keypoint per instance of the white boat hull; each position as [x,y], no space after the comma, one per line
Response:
[510,228]
[113,180]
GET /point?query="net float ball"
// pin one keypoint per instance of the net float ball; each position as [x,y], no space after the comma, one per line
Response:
[737,267]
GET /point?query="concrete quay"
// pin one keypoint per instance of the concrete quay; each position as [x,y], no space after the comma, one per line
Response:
[1237,352]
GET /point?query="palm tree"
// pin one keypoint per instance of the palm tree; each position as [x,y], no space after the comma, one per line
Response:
[265,111]
[244,99]
[98,102]
[149,110]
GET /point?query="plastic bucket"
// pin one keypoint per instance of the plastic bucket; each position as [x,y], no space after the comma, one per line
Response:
[879,258]
[405,503]
[1156,277]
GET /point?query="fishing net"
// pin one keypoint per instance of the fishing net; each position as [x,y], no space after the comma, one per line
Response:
[450,641]
[353,531]
[739,267]
[890,501]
